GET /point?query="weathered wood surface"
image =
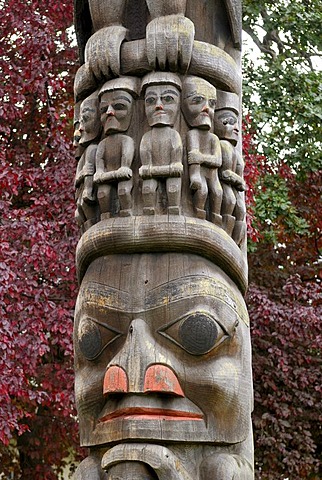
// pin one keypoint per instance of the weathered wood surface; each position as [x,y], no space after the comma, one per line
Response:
[162,347]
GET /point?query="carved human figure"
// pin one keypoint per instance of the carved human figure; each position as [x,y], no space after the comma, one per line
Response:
[203,147]
[164,358]
[161,147]
[79,150]
[115,152]
[89,130]
[226,126]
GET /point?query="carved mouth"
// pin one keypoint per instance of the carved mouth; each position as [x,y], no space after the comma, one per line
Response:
[141,413]
[149,407]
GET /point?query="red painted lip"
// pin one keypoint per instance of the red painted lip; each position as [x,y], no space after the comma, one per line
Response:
[142,413]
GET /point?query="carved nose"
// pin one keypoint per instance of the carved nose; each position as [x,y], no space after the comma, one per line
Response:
[115,381]
[159,106]
[206,108]
[110,111]
[139,367]
[161,379]
[158,379]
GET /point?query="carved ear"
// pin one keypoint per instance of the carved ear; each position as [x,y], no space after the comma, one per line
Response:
[83,26]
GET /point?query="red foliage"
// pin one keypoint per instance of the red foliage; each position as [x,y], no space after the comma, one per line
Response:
[38,238]
[254,165]
[285,306]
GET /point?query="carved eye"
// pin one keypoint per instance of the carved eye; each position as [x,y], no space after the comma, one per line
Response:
[119,106]
[150,100]
[197,333]
[167,99]
[212,103]
[94,337]
[198,99]
[229,120]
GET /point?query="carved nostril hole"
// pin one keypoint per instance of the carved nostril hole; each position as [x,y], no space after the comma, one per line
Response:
[131,329]
[146,281]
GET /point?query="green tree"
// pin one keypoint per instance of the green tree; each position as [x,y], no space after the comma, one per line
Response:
[282,93]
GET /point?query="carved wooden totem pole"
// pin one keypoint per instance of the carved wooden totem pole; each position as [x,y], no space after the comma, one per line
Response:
[162,342]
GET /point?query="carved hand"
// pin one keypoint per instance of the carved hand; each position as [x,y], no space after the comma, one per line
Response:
[226,467]
[195,181]
[228,176]
[194,157]
[212,161]
[169,41]
[176,169]
[102,52]
[104,177]
[90,468]
[97,177]
[145,171]
[124,173]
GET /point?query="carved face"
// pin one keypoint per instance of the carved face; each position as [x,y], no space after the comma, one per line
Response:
[226,125]
[162,105]
[89,126]
[162,352]
[198,102]
[77,134]
[116,109]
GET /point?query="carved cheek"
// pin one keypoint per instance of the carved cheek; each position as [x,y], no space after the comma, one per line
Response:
[214,384]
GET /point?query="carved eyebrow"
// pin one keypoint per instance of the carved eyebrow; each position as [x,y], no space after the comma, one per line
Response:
[162,93]
[106,297]
[228,112]
[194,92]
[120,97]
[102,296]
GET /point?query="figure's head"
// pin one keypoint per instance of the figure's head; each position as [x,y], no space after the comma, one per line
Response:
[162,98]
[89,125]
[226,123]
[162,351]
[116,104]
[198,102]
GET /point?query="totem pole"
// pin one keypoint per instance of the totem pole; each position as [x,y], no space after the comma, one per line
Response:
[162,343]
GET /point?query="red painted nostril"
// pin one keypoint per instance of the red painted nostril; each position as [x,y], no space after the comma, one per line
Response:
[115,381]
[162,379]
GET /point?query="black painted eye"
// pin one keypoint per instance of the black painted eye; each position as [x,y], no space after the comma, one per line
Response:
[167,99]
[231,120]
[198,99]
[119,106]
[197,333]
[212,103]
[150,100]
[94,337]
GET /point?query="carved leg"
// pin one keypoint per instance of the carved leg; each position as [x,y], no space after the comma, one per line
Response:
[215,196]
[239,232]
[173,185]
[240,209]
[124,190]
[103,197]
[88,193]
[199,184]
[149,189]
